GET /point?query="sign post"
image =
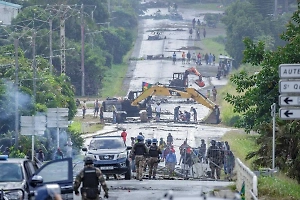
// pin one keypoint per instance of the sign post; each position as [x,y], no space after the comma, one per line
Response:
[33,125]
[57,118]
[289,89]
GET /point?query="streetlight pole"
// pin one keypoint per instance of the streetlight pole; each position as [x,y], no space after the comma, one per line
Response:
[82,52]
[16,44]
[34,66]
[50,47]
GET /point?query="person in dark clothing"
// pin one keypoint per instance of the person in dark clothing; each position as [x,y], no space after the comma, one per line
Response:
[169,139]
[213,154]
[188,56]
[154,153]
[176,113]
[58,154]
[202,151]
[187,116]
[193,110]
[139,150]
[40,155]
[206,57]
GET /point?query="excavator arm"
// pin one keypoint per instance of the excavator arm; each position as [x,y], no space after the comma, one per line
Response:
[159,90]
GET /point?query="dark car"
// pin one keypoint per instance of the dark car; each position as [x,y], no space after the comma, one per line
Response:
[110,154]
[20,178]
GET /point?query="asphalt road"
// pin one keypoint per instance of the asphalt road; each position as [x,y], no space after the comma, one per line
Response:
[153,71]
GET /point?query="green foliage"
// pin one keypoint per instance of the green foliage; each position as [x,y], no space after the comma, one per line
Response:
[258,92]
[16,153]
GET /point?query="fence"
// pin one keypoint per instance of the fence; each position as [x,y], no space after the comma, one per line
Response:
[244,174]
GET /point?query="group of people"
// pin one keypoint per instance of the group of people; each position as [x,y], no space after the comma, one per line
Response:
[223,69]
[185,116]
[98,109]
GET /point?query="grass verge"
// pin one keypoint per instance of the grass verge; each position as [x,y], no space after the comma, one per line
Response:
[89,124]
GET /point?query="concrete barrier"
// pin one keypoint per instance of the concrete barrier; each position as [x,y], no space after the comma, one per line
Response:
[244,174]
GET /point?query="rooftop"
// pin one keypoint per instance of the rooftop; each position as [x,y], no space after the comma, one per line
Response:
[10,4]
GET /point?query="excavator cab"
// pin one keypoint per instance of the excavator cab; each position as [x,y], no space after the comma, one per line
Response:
[180,80]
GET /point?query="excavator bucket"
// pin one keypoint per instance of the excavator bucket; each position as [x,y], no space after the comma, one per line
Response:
[200,83]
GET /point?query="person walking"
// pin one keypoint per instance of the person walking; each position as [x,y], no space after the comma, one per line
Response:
[158,111]
[102,114]
[154,153]
[182,150]
[90,177]
[139,150]
[124,135]
[96,108]
[229,164]
[174,58]
[188,56]
[183,57]
[169,139]
[176,113]
[213,154]
[41,155]
[171,161]
[214,92]
[84,109]
[58,154]
[194,111]
[69,148]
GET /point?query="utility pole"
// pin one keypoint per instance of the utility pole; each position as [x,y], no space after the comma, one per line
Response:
[34,66]
[62,40]
[16,44]
[50,47]
[273,114]
[82,52]
[276,8]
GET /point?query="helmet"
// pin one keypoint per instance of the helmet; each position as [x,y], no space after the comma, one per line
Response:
[140,133]
[88,160]
[149,141]
[154,140]
[213,142]
[140,138]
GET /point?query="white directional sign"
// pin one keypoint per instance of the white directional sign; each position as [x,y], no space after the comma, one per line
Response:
[33,125]
[289,100]
[289,71]
[289,113]
[57,117]
[289,86]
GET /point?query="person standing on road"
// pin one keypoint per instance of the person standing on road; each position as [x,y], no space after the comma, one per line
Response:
[174,58]
[214,92]
[193,110]
[204,33]
[102,114]
[154,153]
[84,109]
[69,148]
[176,113]
[96,108]
[217,113]
[183,57]
[158,111]
[90,177]
[169,139]
[188,56]
[213,154]
[124,135]
[181,150]
[171,161]
[139,150]
[206,57]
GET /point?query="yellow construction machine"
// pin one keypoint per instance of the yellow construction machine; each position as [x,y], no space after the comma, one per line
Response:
[187,93]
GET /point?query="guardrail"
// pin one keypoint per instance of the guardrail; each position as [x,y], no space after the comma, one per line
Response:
[245,175]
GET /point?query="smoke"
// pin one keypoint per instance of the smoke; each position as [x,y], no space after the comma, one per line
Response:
[8,96]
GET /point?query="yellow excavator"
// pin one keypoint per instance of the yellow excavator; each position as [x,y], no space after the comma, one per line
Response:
[187,93]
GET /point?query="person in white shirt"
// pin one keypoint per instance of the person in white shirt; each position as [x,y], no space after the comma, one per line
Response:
[158,111]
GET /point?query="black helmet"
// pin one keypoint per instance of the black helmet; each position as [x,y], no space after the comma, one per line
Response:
[88,160]
[213,142]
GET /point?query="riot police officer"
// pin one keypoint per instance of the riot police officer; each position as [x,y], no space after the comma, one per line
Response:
[139,150]
[214,155]
[90,177]
[154,153]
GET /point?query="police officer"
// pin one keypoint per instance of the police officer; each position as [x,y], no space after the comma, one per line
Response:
[139,150]
[90,177]
[148,144]
[154,153]
[213,153]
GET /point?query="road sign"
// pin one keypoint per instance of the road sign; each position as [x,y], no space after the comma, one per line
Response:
[33,125]
[289,86]
[289,100]
[289,71]
[289,113]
